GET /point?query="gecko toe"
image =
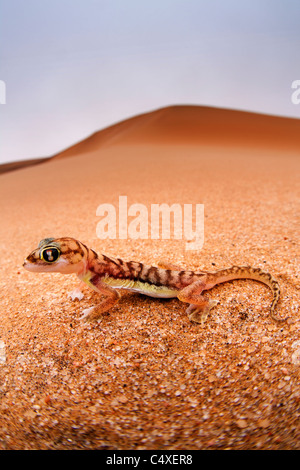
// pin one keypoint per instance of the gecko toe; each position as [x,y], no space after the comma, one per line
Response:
[87,314]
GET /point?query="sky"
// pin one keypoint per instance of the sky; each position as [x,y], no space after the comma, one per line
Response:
[69,68]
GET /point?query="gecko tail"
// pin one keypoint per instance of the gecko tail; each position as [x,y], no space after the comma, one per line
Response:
[248,272]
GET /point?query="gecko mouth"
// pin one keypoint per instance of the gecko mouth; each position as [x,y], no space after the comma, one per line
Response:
[29,266]
[33,266]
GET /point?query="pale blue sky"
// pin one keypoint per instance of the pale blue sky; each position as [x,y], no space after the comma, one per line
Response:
[73,67]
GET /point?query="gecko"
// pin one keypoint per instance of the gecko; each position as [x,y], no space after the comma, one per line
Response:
[109,276]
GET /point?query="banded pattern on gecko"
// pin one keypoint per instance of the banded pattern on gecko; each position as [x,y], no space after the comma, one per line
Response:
[108,276]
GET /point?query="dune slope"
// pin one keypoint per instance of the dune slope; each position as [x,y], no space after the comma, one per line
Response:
[189,125]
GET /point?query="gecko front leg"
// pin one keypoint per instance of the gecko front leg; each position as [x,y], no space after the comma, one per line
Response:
[77,292]
[200,304]
[112,297]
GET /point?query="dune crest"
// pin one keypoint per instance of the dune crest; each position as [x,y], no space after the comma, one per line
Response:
[196,125]
[187,125]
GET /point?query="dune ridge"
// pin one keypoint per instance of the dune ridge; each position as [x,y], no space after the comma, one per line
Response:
[196,125]
[186,125]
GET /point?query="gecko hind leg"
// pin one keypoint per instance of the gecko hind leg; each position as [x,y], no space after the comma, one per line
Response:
[200,304]
[166,265]
[199,314]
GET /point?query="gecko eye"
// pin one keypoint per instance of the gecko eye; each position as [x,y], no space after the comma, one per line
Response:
[50,254]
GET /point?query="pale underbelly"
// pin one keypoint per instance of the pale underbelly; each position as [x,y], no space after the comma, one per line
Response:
[140,287]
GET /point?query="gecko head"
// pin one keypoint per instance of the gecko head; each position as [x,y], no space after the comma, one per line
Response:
[57,255]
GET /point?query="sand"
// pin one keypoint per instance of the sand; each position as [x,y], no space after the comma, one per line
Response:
[143,376]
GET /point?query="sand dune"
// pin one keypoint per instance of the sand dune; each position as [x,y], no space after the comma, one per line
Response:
[190,125]
[144,377]
[187,125]
[6,167]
